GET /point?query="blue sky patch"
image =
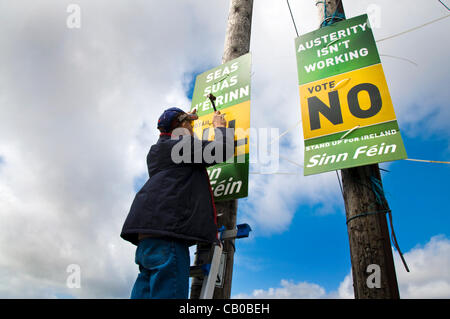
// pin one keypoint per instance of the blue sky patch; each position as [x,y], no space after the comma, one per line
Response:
[189,81]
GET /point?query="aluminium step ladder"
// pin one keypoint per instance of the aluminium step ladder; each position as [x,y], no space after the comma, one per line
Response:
[209,272]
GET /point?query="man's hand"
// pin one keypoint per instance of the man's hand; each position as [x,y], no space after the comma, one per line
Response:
[219,120]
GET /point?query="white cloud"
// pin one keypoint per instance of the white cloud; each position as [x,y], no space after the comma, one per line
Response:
[345,290]
[78,110]
[429,277]
[288,290]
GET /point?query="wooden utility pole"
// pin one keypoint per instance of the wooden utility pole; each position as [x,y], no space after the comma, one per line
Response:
[368,234]
[237,43]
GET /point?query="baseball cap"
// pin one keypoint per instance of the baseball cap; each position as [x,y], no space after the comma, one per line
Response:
[171,117]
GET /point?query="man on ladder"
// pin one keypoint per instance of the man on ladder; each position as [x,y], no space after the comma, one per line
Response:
[175,208]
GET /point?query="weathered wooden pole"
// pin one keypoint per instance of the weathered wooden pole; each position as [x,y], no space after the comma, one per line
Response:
[237,43]
[370,248]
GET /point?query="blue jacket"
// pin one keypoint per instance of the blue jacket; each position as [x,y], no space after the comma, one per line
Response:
[176,201]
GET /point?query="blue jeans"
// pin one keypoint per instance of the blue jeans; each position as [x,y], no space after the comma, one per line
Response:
[164,269]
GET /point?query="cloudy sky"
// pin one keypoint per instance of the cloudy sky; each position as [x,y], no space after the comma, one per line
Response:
[78,111]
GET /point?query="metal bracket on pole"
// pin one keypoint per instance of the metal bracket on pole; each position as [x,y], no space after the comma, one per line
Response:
[241,231]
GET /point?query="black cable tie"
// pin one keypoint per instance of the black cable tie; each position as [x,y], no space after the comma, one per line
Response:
[368,213]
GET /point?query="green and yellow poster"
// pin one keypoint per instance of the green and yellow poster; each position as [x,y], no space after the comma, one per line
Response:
[230,84]
[347,112]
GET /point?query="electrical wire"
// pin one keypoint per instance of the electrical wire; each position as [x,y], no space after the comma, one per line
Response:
[400,58]
[444,5]
[415,28]
[426,161]
[285,132]
[340,185]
